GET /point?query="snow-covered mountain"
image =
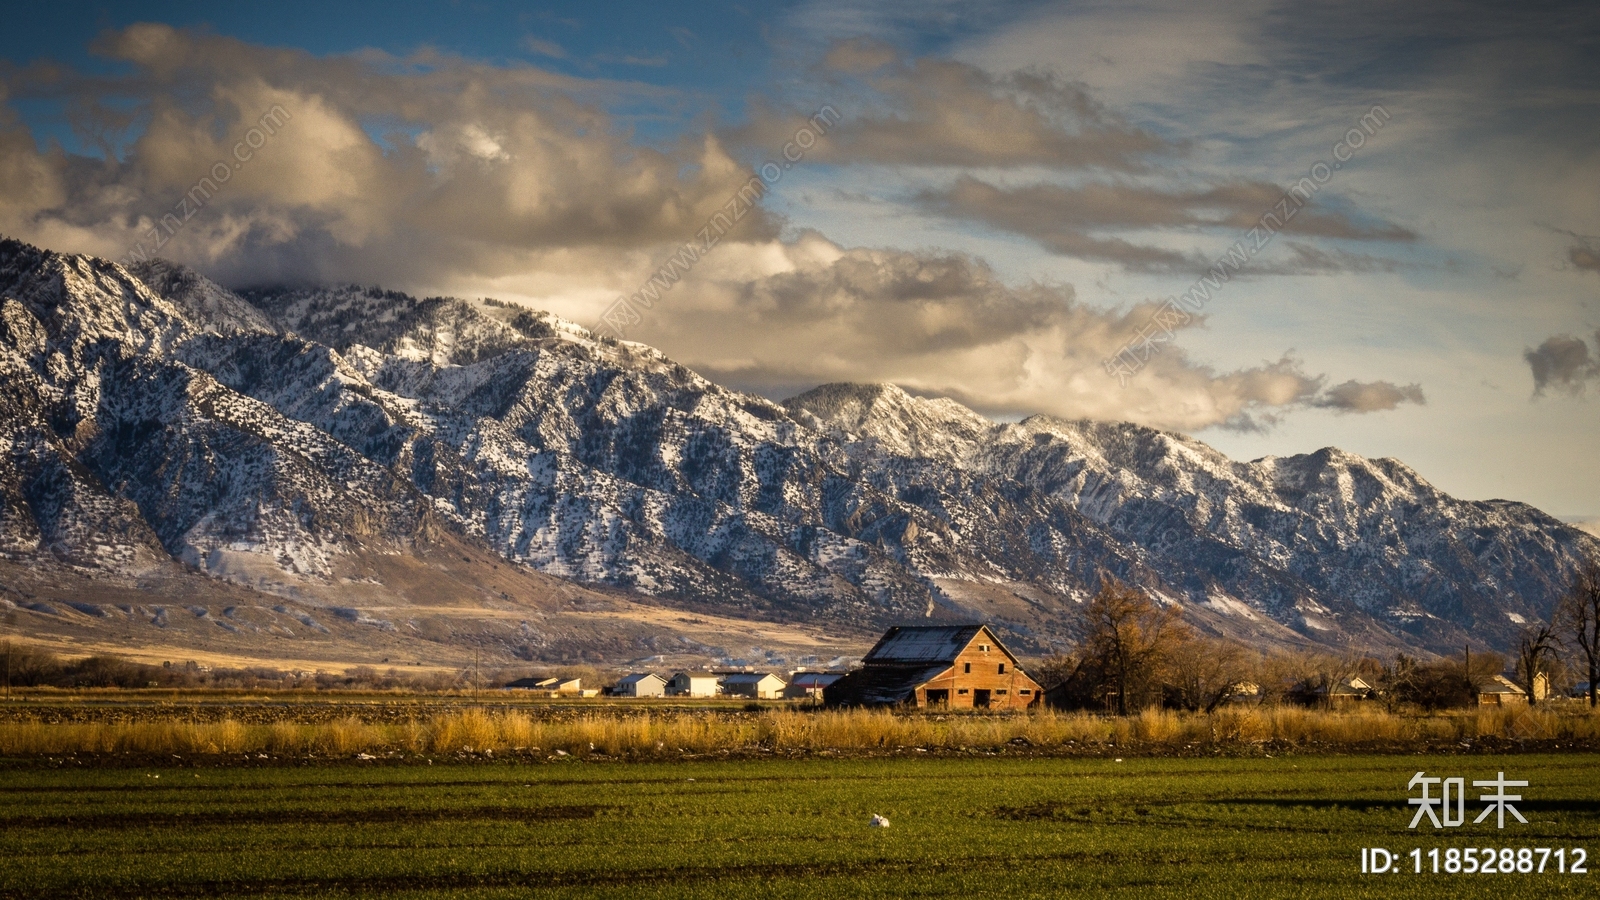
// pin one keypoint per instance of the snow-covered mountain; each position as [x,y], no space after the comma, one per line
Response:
[269,438]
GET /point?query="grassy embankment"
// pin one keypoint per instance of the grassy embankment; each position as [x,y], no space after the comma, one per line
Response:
[637,731]
[960,828]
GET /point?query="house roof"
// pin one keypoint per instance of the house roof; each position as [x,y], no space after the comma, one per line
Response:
[1501,685]
[749,677]
[636,677]
[711,675]
[1355,685]
[926,644]
[538,682]
[882,685]
[815,679]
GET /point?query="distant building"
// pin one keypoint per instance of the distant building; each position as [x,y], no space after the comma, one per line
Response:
[1502,691]
[1343,693]
[692,684]
[549,685]
[1243,692]
[1350,691]
[957,667]
[640,684]
[809,685]
[755,685]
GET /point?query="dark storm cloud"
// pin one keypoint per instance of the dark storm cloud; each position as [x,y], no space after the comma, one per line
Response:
[1584,257]
[1370,396]
[1072,221]
[940,112]
[1562,363]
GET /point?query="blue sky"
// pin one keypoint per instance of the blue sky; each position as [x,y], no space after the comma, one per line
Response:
[1012,192]
[705,50]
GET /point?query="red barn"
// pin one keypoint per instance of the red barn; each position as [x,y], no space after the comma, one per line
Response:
[957,667]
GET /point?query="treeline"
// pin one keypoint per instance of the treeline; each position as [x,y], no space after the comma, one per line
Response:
[1138,654]
[25,667]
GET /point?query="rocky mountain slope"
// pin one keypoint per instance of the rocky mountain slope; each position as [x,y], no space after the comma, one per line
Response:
[278,439]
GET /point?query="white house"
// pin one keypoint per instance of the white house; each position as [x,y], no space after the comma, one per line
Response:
[758,685]
[692,684]
[640,684]
[1502,691]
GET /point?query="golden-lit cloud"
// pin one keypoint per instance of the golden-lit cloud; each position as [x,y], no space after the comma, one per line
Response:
[947,324]
[369,167]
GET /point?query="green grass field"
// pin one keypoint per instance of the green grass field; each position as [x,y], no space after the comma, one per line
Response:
[988,827]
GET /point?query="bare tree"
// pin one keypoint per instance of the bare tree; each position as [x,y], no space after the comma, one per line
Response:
[1536,654]
[1055,669]
[1315,676]
[1276,674]
[1578,619]
[1441,683]
[1398,683]
[1206,672]
[1129,638]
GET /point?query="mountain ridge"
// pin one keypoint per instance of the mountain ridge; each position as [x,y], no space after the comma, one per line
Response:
[279,430]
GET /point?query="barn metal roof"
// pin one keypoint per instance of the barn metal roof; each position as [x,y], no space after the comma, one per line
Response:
[881,686]
[909,644]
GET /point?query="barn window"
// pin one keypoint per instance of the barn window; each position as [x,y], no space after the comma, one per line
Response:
[968,669]
[961,691]
[1001,691]
[1024,692]
[1002,668]
[983,648]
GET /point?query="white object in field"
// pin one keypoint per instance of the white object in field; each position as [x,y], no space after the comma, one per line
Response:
[879,822]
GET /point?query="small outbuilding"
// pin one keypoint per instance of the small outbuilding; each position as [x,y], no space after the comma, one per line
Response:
[809,685]
[640,684]
[755,685]
[549,684]
[692,684]
[951,666]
